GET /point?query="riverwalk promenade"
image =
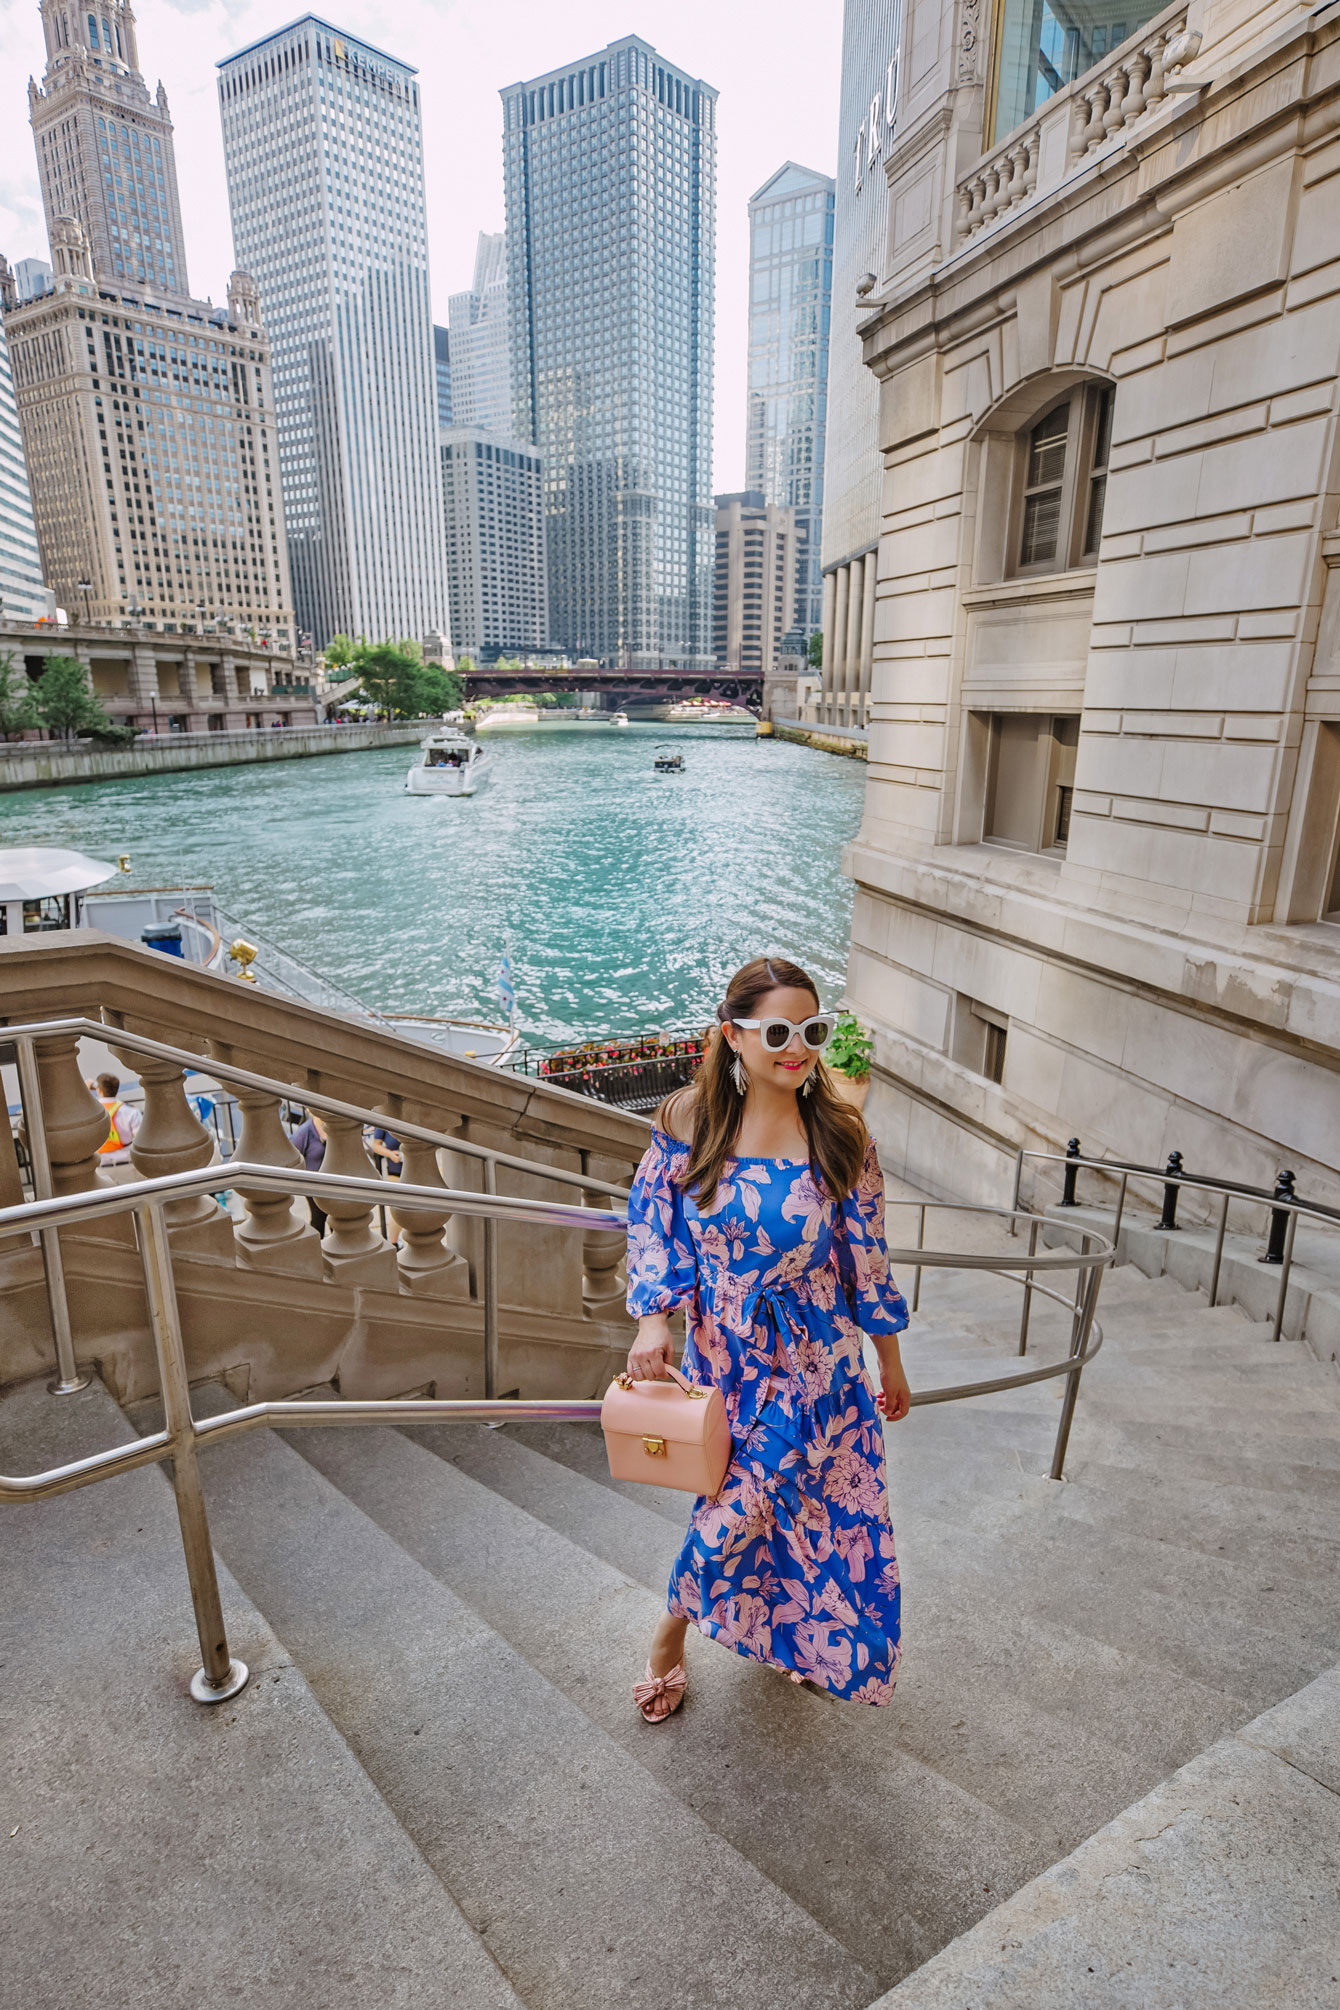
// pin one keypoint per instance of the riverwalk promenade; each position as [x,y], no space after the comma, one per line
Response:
[44,764]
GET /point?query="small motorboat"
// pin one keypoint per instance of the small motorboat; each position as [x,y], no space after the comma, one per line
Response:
[448,765]
[669,764]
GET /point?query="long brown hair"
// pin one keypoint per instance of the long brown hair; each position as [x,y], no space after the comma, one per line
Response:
[835,1131]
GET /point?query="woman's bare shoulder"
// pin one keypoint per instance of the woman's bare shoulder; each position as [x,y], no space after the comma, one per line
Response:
[676,1115]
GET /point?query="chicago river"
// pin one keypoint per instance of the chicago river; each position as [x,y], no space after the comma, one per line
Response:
[625,898]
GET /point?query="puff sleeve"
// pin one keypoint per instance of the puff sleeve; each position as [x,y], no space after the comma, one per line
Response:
[863,1258]
[662,1263]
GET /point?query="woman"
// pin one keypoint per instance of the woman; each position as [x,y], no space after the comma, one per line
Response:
[760,1208]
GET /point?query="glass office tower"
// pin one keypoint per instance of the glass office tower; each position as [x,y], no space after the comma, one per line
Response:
[322,137]
[610,168]
[790,306]
[481,349]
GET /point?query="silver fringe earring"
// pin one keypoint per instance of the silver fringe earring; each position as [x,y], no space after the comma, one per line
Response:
[739,1077]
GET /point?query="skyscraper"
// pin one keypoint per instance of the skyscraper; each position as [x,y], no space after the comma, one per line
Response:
[23,595]
[495,544]
[322,136]
[790,301]
[104,146]
[610,173]
[481,357]
[753,582]
[442,373]
[147,416]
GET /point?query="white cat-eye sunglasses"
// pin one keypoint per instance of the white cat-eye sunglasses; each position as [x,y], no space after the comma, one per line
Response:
[777,1034]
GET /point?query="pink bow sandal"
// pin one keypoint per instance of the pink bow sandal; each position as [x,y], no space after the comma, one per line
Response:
[653,1687]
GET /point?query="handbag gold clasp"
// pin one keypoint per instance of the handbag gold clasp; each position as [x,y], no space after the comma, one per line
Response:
[654,1447]
[624,1381]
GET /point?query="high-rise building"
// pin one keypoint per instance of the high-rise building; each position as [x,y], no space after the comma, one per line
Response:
[872,35]
[104,146]
[442,373]
[494,515]
[481,389]
[790,301]
[150,441]
[322,137]
[23,593]
[610,171]
[32,278]
[753,582]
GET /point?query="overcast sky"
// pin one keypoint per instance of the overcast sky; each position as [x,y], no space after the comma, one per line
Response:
[776,68]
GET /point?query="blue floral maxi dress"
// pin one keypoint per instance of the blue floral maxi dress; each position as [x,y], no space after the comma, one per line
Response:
[793,1563]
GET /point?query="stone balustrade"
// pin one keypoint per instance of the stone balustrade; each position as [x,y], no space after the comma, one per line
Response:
[1075,124]
[266,1302]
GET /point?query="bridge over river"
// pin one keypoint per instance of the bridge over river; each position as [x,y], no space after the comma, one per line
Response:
[620,687]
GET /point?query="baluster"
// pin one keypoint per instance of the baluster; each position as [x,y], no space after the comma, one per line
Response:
[172,1139]
[277,1233]
[1096,100]
[1014,188]
[1031,171]
[991,192]
[429,1267]
[1115,85]
[354,1251]
[1155,89]
[604,1283]
[963,216]
[1079,120]
[76,1126]
[1137,69]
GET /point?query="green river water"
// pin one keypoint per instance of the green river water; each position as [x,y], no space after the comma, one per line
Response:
[626,898]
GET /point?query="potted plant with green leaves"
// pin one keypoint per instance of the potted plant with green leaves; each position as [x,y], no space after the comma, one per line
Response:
[848,1057]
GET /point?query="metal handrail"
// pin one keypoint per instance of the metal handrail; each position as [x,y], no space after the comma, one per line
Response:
[1280,1205]
[220,1675]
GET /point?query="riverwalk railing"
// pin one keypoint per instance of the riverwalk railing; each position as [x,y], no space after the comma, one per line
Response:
[183,1435]
[1281,1204]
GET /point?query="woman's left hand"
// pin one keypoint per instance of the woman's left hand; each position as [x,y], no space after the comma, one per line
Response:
[895,1398]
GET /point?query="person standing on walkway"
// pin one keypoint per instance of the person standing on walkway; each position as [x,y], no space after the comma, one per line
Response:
[310,1139]
[123,1121]
[759,1207]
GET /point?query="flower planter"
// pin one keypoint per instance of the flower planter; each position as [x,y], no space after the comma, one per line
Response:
[850,1090]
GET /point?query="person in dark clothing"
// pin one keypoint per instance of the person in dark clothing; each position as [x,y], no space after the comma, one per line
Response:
[310,1139]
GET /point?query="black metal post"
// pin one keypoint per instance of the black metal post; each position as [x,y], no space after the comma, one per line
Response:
[1072,1151]
[1279,1220]
[1168,1218]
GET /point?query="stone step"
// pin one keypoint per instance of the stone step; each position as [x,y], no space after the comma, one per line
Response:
[160,1853]
[892,1858]
[1047,1726]
[587,1879]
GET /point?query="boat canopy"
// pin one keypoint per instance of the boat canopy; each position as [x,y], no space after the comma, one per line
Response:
[43,872]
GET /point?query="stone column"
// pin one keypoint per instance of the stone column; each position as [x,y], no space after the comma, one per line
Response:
[429,1267]
[76,1127]
[868,634]
[143,675]
[835,668]
[855,638]
[172,1139]
[355,1252]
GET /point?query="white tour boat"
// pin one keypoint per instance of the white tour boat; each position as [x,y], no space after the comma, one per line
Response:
[448,765]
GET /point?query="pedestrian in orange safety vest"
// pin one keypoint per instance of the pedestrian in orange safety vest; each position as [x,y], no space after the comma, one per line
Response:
[123,1120]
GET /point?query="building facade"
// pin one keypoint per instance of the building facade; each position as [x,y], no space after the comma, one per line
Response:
[442,373]
[872,67]
[790,305]
[149,435]
[23,591]
[323,142]
[32,278]
[1097,882]
[758,555]
[481,342]
[493,498]
[104,147]
[610,174]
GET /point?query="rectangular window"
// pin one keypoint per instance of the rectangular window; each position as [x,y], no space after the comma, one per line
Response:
[1043,45]
[1030,780]
[978,1037]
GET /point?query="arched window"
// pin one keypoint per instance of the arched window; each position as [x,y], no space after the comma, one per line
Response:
[1062,482]
[92,31]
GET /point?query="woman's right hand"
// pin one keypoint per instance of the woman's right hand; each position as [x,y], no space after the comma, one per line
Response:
[652,1351]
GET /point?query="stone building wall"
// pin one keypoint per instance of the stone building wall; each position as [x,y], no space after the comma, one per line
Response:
[1103,811]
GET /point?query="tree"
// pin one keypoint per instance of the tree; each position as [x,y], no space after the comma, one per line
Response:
[17,710]
[339,652]
[816,650]
[438,690]
[395,679]
[65,701]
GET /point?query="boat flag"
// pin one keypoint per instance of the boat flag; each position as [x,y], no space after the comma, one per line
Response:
[506,988]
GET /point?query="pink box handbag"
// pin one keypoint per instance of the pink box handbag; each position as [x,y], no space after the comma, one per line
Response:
[668,1434]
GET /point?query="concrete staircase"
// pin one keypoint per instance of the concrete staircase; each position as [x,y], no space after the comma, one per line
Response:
[462,1612]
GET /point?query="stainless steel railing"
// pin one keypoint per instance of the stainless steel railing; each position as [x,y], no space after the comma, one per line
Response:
[25,1040]
[1282,1206]
[220,1675]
